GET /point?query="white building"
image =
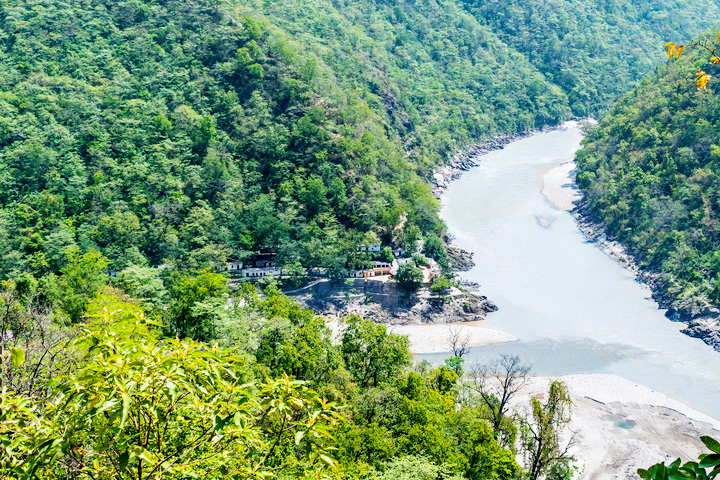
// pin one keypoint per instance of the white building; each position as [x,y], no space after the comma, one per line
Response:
[373,247]
[261,272]
[234,266]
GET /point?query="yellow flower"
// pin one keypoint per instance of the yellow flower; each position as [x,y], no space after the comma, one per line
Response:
[701,79]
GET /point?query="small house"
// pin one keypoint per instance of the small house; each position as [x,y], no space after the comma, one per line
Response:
[234,265]
[373,247]
[261,272]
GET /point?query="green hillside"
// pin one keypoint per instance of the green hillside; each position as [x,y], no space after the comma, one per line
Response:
[594,50]
[650,170]
[190,132]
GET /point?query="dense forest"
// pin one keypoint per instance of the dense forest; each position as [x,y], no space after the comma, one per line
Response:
[191,132]
[650,170]
[595,51]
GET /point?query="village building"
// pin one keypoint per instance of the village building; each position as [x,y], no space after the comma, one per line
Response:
[399,252]
[373,247]
[261,272]
[379,272]
[233,265]
[230,266]
[379,269]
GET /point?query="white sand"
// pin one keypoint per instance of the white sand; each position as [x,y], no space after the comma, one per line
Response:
[657,428]
[559,187]
[435,338]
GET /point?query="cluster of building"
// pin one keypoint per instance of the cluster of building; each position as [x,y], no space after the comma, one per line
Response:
[265,264]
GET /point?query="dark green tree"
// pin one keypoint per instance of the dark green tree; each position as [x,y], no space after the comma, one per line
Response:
[409,277]
[370,353]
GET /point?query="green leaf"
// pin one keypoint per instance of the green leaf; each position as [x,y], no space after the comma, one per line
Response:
[18,356]
[105,406]
[126,408]
[710,460]
[711,443]
[675,474]
[658,471]
[644,474]
[123,459]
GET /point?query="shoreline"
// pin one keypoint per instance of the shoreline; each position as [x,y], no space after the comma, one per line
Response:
[621,425]
[562,192]
[702,321]
[467,157]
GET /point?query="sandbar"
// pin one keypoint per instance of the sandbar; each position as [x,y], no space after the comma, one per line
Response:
[435,337]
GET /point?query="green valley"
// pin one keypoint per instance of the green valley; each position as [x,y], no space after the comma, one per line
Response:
[168,168]
[190,133]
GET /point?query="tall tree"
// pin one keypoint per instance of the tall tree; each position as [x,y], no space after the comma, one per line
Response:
[372,354]
[543,432]
[496,384]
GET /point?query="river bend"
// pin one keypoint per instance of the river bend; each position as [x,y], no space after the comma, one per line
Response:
[573,308]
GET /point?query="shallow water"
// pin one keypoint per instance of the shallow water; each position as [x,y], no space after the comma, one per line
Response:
[573,308]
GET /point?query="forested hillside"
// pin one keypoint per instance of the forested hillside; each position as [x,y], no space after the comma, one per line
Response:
[650,170]
[190,132]
[594,50]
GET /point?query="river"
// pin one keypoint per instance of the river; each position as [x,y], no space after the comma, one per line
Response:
[573,308]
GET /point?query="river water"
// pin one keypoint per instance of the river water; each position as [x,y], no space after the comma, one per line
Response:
[573,308]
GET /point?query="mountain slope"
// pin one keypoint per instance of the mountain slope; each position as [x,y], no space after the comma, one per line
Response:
[595,50]
[190,131]
[650,170]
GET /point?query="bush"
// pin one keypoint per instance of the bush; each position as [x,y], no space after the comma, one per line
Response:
[441,284]
[409,277]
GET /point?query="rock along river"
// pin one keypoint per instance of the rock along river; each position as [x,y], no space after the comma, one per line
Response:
[573,308]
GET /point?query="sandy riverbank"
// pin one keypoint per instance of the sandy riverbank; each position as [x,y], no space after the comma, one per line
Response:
[559,187]
[435,338]
[621,426]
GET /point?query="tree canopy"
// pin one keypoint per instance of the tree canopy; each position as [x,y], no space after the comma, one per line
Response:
[650,173]
[189,131]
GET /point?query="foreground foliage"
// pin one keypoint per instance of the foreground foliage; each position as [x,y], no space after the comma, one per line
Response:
[119,400]
[142,407]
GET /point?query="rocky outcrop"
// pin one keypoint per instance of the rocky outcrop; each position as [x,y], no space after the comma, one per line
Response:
[706,329]
[460,260]
[385,302]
